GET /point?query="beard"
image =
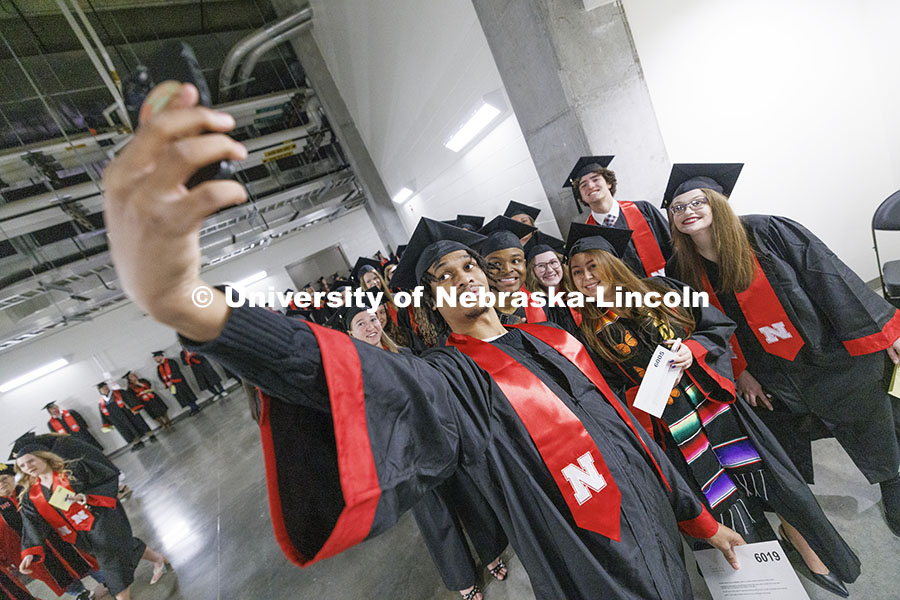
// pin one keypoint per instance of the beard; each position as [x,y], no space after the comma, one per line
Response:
[476,312]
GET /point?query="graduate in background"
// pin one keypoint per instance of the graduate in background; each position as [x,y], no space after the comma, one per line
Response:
[151,402]
[718,445]
[204,373]
[71,422]
[594,184]
[169,374]
[524,214]
[77,500]
[810,333]
[117,409]
[63,566]
[504,256]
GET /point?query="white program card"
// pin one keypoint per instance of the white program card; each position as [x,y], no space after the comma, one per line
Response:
[657,384]
[765,573]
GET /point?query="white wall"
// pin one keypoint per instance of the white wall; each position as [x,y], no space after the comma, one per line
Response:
[123,338]
[804,92]
[483,181]
[410,72]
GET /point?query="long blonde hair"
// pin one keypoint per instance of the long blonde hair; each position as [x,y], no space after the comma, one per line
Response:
[733,251]
[56,462]
[613,273]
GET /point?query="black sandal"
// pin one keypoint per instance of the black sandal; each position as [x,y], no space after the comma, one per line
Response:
[472,593]
[495,572]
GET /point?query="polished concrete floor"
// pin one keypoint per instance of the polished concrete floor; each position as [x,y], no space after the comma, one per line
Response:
[199,497]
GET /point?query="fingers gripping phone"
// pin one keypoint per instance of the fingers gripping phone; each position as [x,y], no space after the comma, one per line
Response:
[177,62]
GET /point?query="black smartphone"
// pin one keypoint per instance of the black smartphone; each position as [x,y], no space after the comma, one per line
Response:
[176,61]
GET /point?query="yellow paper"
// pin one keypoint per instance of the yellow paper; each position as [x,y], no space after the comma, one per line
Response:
[894,390]
[172,389]
[62,498]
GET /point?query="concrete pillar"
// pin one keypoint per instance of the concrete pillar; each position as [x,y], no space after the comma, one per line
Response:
[575,83]
[379,207]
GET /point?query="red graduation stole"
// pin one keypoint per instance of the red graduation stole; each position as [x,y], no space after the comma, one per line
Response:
[765,315]
[533,314]
[77,518]
[165,371]
[644,241]
[566,448]
[143,391]
[117,397]
[70,421]
[190,357]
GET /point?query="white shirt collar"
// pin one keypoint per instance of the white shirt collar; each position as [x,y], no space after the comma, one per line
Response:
[601,217]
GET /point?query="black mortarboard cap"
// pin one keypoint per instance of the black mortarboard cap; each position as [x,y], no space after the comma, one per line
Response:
[503,233]
[26,438]
[469,222]
[363,265]
[585,165]
[685,177]
[7,469]
[127,373]
[48,405]
[596,237]
[400,250]
[101,384]
[159,353]
[430,241]
[339,284]
[28,448]
[540,242]
[517,208]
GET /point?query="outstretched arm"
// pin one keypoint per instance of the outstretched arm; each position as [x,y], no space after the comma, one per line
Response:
[153,220]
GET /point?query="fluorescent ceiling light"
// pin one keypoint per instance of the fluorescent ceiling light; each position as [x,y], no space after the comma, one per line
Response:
[403,195]
[30,376]
[251,280]
[475,125]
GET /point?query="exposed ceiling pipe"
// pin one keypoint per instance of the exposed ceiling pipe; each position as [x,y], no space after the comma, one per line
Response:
[90,29]
[92,55]
[250,42]
[259,51]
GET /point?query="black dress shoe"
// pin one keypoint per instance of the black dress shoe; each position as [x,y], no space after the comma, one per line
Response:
[829,581]
[890,497]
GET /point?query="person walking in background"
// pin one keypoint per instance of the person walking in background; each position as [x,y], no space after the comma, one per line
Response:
[152,403]
[169,374]
[206,376]
[71,422]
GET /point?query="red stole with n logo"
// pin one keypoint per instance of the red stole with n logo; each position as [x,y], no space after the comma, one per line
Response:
[764,314]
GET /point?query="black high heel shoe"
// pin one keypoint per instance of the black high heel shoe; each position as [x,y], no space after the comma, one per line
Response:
[830,581]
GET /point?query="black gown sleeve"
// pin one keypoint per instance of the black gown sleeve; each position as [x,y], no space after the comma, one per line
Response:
[95,480]
[352,435]
[34,531]
[861,319]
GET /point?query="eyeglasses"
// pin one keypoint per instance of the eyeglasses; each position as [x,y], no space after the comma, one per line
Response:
[678,209]
[553,264]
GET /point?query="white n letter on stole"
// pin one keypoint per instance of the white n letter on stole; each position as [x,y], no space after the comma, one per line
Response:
[584,479]
[775,332]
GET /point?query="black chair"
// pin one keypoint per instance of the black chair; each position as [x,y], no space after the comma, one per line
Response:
[887,218]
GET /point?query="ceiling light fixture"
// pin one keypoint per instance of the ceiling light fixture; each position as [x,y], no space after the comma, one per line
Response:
[480,119]
[30,376]
[405,193]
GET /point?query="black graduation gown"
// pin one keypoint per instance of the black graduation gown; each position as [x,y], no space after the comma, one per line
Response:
[203,371]
[658,225]
[129,425]
[183,392]
[835,379]
[60,558]
[109,540]
[415,421]
[153,404]
[84,433]
[778,486]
